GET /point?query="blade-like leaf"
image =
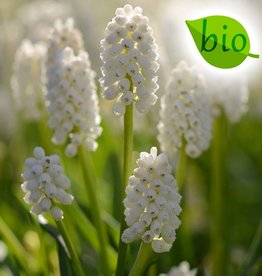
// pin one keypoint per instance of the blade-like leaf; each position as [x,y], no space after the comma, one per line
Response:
[15,246]
[65,264]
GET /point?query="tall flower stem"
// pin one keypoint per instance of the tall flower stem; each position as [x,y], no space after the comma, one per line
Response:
[144,259]
[217,189]
[186,238]
[75,258]
[95,209]
[127,171]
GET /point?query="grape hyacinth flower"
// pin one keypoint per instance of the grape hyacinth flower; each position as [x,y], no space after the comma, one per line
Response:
[62,35]
[26,81]
[185,115]
[71,91]
[73,103]
[182,270]
[129,61]
[231,96]
[45,184]
[152,203]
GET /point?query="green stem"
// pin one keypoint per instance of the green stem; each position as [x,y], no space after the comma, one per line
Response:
[187,249]
[96,213]
[144,259]
[75,258]
[217,189]
[181,167]
[127,171]
[152,271]
[15,246]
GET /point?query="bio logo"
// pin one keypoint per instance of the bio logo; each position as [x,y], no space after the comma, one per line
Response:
[222,41]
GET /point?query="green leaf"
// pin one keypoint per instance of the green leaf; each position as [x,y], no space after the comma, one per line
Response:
[90,234]
[65,264]
[222,41]
[14,246]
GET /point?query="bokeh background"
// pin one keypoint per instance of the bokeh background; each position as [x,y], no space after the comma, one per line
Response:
[242,195]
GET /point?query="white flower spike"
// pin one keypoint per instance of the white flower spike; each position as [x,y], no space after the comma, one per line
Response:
[26,81]
[152,203]
[185,113]
[129,61]
[182,270]
[231,96]
[63,34]
[73,103]
[71,91]
[45,184]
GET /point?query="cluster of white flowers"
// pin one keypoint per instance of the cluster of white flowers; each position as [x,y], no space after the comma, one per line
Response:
[71,90]
[130,61]
[73,103]
[37,17]
[62,35]
[26,81]
[185,113]
[231,95]
[152,203]
[45,184]
[182,270]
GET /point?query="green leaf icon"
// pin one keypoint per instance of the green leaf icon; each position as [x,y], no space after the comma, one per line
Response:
[222,41]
